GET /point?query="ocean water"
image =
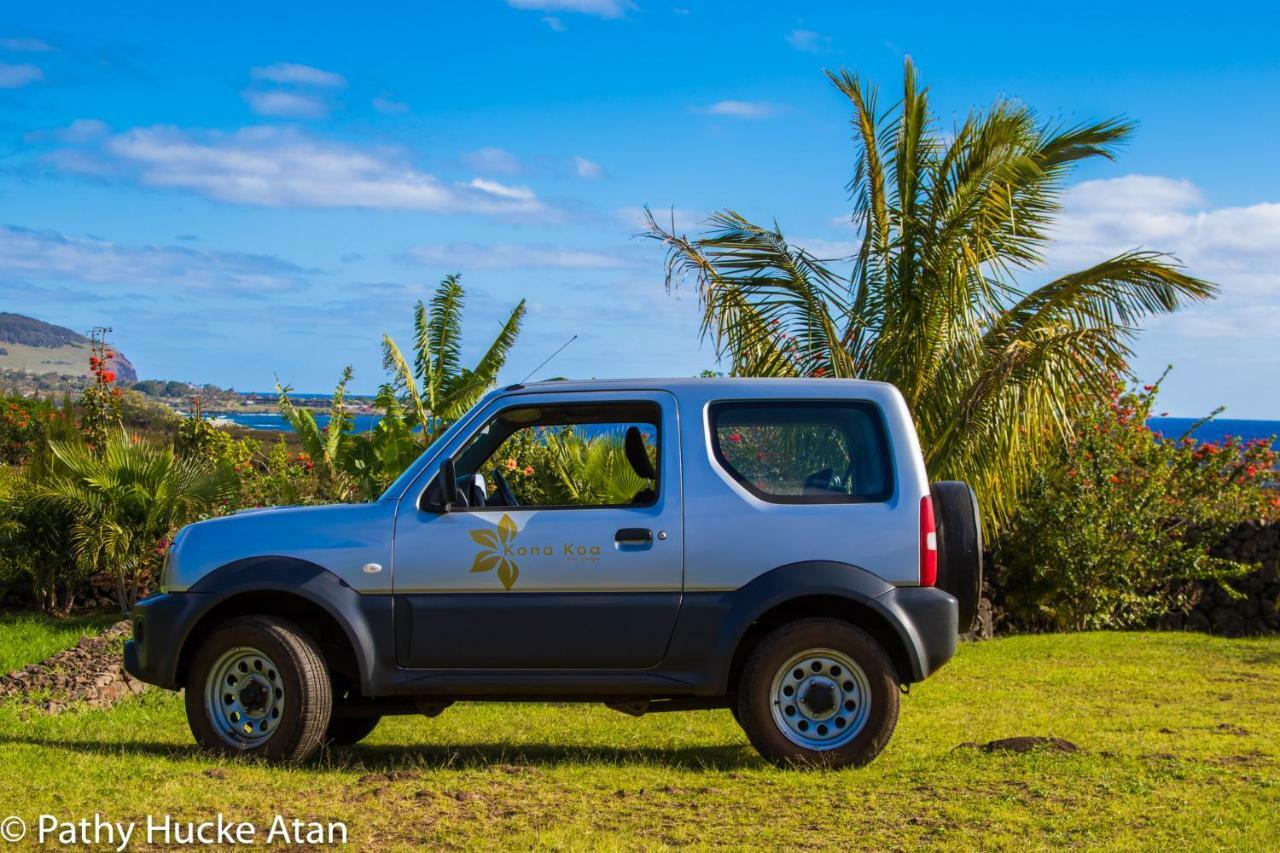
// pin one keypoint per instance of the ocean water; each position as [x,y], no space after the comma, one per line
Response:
[1215,430]
[1218,429]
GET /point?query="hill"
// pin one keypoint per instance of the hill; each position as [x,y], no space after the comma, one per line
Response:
[29,345]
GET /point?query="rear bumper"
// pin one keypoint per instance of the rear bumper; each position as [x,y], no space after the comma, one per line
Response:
[928,618]
[160,626]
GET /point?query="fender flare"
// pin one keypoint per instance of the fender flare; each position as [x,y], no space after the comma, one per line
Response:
[808,579]
[354,613]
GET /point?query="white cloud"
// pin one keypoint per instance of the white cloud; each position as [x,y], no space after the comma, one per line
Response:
[26,45]
[511,256]
[291,73]
[600,8]
[17,76]
[285,104]
[553,23]
[493,160]
[44,256]
[80,130]
[282,167]
[827,250]
[1101,218]
[1238,248]
[809,41]
[389,106]
[588,169]
[522,194]
[740,109]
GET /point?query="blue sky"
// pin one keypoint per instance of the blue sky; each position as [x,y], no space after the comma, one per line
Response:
[261,189]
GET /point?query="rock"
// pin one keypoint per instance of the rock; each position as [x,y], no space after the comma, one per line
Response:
[1228,621]
[1198,621]
[90,672]
[1026,743]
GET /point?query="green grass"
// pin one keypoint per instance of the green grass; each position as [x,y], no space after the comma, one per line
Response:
[26,638]
[1180,739]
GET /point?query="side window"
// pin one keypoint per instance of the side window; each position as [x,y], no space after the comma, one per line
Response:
[574,455]
[804,451]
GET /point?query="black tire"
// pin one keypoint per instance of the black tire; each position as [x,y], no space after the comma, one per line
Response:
[755,700]
[305,692]
[346,731]
[955,509]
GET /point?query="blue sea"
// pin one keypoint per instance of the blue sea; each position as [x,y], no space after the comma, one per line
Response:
[1215,430]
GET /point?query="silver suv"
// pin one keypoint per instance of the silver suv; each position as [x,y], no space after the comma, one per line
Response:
[768,546]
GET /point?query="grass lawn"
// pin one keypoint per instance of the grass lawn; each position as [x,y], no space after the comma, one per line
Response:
[29,637]
[1179,737]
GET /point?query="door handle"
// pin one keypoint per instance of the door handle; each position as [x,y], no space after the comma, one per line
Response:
[634,536]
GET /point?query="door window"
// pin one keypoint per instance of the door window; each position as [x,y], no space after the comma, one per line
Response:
[568,455]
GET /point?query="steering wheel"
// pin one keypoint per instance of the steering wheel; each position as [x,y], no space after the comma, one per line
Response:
[504,488]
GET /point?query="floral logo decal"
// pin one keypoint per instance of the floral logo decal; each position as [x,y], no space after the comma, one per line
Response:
[495,545]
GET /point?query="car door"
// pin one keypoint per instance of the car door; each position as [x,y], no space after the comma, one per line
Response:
[542,587]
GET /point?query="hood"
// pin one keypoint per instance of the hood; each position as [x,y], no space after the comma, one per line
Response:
[339,538]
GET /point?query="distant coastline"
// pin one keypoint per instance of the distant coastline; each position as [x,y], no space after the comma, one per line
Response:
[1216,430]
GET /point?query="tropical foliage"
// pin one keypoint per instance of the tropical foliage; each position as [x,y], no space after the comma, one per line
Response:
[126,499]
[947,219]
[436,387]
[419,400]
[562,467]
[1115,527]
[36,559]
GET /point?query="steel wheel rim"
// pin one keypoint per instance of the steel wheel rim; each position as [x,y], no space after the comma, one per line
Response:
[820,699]
[244,697]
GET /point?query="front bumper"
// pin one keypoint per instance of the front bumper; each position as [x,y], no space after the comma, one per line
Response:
[161,624]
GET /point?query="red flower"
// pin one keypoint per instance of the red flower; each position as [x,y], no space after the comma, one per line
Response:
[528,470]
[736,437]
[1113,478]
[108,376]
[820,372]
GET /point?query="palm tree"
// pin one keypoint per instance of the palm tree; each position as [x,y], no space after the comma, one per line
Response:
[437,387]
[993,373]
[126,501]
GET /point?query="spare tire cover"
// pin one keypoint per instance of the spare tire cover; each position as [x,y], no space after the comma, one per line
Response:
[955,509]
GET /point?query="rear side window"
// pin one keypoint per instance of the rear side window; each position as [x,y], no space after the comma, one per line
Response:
[804,451]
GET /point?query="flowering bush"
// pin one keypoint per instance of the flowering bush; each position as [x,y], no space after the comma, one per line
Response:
[24,424]
[1112,533]
[100,400]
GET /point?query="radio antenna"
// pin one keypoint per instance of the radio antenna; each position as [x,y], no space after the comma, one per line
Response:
[548,359]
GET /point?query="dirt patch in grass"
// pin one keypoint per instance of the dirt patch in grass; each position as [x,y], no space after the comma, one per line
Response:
[92,673]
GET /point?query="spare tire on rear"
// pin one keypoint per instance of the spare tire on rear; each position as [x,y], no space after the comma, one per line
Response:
[955,509]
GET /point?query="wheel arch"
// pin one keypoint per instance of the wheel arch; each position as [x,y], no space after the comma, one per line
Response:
[830,589]
[846,609]
[335,615]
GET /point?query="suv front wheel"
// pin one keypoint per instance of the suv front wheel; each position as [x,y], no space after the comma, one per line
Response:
[259,685]
[818,692]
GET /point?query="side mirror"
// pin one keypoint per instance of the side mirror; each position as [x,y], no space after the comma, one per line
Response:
[448,485]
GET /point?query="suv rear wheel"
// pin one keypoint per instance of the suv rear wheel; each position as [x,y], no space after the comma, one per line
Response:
[259,686]
[818,692]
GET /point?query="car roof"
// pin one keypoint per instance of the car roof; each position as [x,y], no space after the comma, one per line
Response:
[713,386]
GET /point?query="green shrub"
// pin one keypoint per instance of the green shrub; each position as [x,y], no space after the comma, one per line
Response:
[126,499]
[37,563]
[1114,531]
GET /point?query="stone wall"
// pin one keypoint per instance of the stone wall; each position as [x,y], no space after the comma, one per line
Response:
[1216,610]
[1258,612]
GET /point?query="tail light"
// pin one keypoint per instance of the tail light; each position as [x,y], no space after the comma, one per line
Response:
[928,543]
